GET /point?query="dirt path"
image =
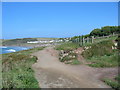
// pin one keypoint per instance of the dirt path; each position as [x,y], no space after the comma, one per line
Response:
[51,73]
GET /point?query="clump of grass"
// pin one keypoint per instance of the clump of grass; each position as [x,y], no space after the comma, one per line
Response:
[71,58]
[17,71]
[114,84]
[75,62]
[67,58]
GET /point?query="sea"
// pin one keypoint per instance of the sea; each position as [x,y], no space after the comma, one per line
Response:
[10,49]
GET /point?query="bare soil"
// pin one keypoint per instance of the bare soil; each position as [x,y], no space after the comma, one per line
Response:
[51,73]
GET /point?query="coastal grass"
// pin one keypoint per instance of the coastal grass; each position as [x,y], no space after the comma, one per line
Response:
[67,46]
[98,40]
[104,61]
[105,38]
[75,62]
[102,55]
[113,83]
[17,71]
[71,58]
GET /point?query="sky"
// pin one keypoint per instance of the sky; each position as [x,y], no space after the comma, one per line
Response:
[56,19]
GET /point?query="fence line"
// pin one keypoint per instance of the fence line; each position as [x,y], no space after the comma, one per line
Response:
[82,41]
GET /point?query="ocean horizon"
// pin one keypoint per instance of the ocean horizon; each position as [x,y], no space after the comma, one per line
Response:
[10,49]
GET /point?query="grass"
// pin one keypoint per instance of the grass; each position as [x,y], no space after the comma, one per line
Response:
[104,39]
[17,71]
[98,40]
[71,58]
[104,61]
[101,54]
[17,41]
[99,49]
[75,62]
[113,83]
[67,46]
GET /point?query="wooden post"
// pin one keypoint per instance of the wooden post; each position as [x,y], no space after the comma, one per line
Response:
[77,40]
[113,34]
[83,40]
[92,38]
[87,40]
[80,40]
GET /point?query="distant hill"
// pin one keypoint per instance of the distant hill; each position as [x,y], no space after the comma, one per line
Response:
[17,41]
[22,41]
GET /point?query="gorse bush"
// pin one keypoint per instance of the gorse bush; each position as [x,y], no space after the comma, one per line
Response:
[104,31]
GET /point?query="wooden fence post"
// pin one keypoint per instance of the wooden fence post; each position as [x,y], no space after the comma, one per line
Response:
[87,40]
[92,39]
[83,40]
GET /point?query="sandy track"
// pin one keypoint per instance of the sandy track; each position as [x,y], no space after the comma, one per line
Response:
[51,73]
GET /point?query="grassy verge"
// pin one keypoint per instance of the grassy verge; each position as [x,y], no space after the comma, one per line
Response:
[113,83]
[16,69]
[67,46]
[104,61]
[102,55]
[98,40]
[104,39]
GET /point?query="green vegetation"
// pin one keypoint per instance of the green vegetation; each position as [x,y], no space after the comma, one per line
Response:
[101,54]
[105,38]
[75,62]
[69,56]
[17,41]
[113,83]
[99,49]
[105,31]
[100,32]
[16,69]
[118,41]
[104,61]
[67,46]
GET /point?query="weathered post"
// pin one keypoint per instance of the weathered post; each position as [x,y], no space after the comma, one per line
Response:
[113,34]
[79,40]
[83,40]
[87,40]
[92,39]
[80,43]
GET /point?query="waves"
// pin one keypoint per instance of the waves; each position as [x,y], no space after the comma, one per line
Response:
[3,47]
[10,49]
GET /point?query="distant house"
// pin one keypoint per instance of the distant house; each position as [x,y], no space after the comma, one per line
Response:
[45,41]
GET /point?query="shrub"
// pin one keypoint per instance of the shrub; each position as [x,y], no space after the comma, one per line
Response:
[99,49]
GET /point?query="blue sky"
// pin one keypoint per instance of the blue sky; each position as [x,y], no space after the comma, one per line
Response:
[56,19]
